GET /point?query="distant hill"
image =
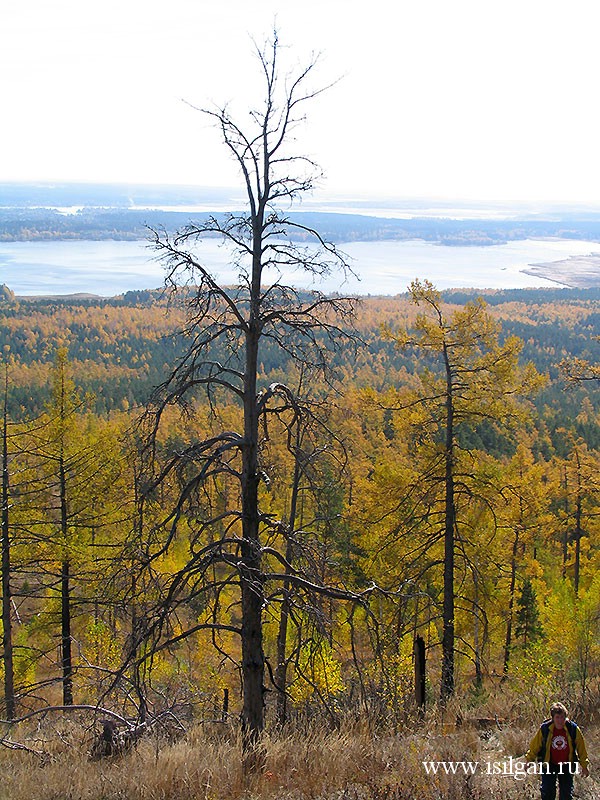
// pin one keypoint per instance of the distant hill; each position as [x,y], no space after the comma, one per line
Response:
[37,211]
[31,224]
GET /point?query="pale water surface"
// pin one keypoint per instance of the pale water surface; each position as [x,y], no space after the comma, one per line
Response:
[111,267]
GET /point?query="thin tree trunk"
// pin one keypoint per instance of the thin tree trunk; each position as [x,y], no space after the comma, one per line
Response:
[420,667]
[136,621]
[447,685]
[252,593]
[511,602]
[476,643]
[7,647]
[565,542]
[578,528]
[67,658]
[281,670]
[65,574]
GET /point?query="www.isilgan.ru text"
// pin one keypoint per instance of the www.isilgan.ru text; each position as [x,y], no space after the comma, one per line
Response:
[510,768]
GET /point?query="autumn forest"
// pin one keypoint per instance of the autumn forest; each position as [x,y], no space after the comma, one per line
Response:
[361,474]
[259,504]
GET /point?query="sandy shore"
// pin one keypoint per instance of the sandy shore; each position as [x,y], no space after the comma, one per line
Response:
[576,272]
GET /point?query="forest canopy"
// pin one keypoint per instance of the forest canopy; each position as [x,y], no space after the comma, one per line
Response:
[120,348]
[527,495]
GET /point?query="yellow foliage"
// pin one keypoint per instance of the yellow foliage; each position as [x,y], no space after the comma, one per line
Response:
[318,672]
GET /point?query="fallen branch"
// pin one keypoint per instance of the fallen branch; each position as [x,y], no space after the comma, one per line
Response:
[47,709]
[8,743]
[118,734]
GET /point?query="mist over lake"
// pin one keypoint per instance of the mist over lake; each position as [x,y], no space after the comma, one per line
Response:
[108,268]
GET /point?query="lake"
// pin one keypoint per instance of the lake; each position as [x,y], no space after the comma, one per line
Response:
[108,268]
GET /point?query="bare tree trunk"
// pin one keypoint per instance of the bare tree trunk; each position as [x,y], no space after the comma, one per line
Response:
[252,592]
[135,575]
[447,684]
[65,573]
[578,528]
[65,616]
[511,602]
[7,647]
[476,643]
[519,527]
[281,670]
[565,541]
[419,652]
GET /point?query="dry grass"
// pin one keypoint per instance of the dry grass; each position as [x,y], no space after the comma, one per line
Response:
[318,765]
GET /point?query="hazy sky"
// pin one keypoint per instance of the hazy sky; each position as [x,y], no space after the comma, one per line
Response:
[477,99]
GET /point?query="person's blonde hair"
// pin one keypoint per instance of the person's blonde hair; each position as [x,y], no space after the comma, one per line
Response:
[558,708]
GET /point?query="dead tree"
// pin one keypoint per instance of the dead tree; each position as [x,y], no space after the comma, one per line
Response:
[236,546]
[114,740]
[420,680]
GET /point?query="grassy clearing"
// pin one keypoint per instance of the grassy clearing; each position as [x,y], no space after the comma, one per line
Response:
[353,764]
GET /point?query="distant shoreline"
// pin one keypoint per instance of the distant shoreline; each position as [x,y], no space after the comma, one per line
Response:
[577,272]
[68,296]
[133,223]
[90,269]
